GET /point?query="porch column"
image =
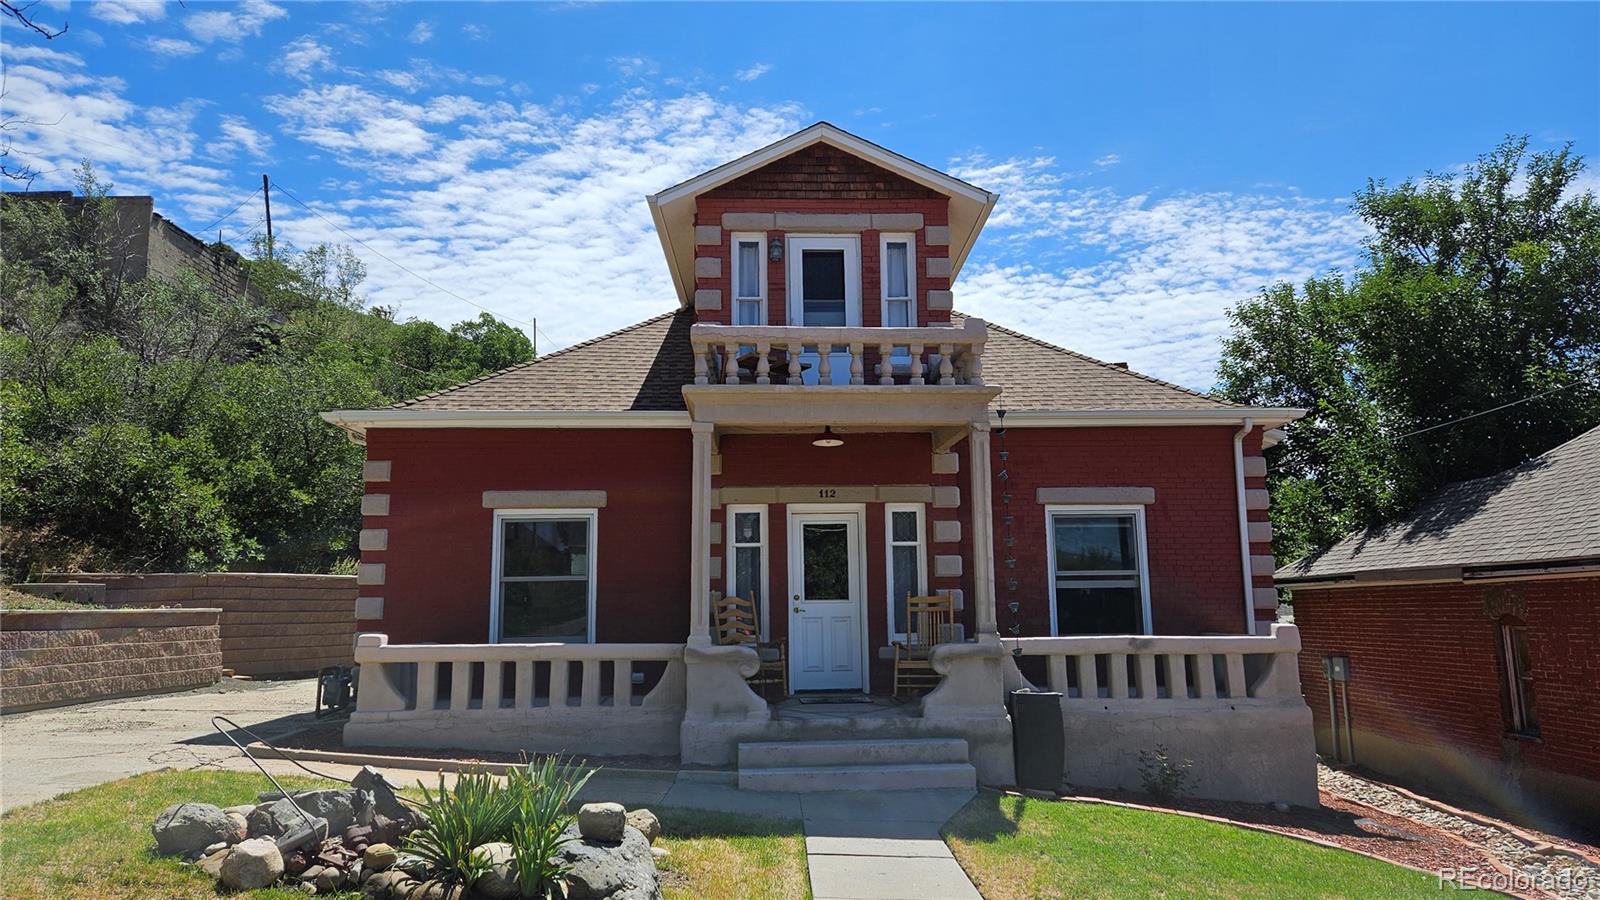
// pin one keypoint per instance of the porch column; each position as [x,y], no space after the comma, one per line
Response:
[700,536]
[982,531]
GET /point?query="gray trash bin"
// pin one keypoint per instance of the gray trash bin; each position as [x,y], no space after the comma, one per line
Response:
[1041,746]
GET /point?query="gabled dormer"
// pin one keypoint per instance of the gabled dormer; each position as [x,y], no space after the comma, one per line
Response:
[821,229]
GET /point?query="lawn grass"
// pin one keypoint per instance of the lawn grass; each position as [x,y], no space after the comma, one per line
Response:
[1013,847]
[97,843]
[726,855]
[14,599]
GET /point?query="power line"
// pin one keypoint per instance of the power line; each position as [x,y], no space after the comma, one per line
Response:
[1583,380]
[227,215]
[422,278]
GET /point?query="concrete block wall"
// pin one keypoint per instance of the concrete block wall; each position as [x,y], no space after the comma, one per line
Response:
[275,625]
[53,658]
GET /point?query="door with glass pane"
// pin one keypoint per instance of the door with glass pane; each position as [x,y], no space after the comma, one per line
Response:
[1099,584]
[824,289]
[544,577]
[825,593]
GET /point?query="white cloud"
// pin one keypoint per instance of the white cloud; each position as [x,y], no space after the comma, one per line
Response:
[752,73]
[165,46]
[1141,278]
[233,25]
[1110,159]
[421,33]
[474,32]
[128,12]
[44,55]
[238,136]
[305,56]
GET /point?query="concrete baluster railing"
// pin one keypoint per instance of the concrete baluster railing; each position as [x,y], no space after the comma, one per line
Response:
[746,354]
[1138,668]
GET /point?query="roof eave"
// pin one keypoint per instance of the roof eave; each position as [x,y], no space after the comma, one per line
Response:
[1263,417]
[358,421]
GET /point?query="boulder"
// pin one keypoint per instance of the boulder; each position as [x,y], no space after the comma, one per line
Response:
[212,863]
[241,827]
[646,822]
[251,864]
[337,806]
[500,881]
[243,810]
[602,870]
[273,819]
[188,828]
[311,873]
[379,857]
[384,885]
[329,880]
[602,821]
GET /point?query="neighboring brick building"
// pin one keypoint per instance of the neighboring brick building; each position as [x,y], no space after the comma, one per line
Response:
[1472,634]
[143,243]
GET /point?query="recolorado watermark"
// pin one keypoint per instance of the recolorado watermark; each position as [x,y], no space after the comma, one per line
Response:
[1567,881]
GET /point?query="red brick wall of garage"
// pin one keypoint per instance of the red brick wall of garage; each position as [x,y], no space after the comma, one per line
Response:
[1426,669]
[1192,528]
[439,555]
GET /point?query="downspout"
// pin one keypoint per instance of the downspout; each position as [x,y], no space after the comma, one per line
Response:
[1244,525]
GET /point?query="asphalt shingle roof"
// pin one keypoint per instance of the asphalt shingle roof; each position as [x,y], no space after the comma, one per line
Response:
[644,367]
[1546,510]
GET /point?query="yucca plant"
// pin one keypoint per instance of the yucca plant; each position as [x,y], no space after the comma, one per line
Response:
[475,810]
[544,790]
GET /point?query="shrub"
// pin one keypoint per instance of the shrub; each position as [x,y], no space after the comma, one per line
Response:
[544,792]
[1164,777]
[474,811]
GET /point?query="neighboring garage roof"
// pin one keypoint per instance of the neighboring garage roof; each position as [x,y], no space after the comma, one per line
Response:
[643,368]
[1543,512]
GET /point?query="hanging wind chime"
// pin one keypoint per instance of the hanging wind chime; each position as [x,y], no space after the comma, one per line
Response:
[1009,521]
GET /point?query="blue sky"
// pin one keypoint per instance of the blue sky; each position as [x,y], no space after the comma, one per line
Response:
[1155,162]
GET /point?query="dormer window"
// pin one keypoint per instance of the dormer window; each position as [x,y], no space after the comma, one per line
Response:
[899,280]
[749,280]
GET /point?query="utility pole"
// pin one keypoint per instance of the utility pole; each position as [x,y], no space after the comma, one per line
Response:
[266,194]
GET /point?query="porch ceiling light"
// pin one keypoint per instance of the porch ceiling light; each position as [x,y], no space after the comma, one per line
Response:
[827,439]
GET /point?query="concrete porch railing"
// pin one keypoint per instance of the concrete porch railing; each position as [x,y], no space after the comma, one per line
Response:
[768,354]
[1228,705]
[576,698]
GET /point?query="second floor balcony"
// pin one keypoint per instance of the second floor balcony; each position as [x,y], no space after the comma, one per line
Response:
[812,356]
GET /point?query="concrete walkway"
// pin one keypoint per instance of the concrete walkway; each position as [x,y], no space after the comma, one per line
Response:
[50,751]
[864,845]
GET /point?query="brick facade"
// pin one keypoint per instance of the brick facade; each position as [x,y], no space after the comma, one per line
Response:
[822,180]
[1427,690]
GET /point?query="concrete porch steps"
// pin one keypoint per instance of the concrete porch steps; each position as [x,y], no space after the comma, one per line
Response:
[832,765]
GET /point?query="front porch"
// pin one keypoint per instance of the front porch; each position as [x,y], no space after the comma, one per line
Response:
[1231,704]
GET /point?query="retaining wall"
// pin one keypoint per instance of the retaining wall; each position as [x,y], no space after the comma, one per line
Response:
[272,624]
[53,658]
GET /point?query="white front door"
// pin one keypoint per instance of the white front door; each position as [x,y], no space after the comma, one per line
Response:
[824,288]
[825,593]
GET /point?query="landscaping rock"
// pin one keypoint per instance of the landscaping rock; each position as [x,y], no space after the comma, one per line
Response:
[437,890]
[311,873]
[241,827]
[501,879]
[380,857]
[329,880]
[660,852]
[211,864]
[188,828]
[273,819]
[388,884]
[601,870]
[243,810]
[212,848]
[646,822]
[337,806]
[252,864]
[602,821]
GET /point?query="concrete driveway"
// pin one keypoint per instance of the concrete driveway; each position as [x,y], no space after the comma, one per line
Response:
[51,751]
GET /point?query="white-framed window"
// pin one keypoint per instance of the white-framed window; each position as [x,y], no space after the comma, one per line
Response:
[544,576]
[1519,678]
[907,562]
[747,557]
[897,256]
[748,273]
[1099,579]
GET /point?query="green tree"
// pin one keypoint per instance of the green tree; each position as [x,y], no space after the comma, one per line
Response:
[1477,291]
[159,424]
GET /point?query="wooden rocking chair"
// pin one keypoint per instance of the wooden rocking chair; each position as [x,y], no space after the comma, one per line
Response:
[736,624]
[930,621]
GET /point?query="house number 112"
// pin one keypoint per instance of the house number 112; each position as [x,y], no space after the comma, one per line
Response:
[827,493]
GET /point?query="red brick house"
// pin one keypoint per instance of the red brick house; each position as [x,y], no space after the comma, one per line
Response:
[813,427]
[1470,635]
